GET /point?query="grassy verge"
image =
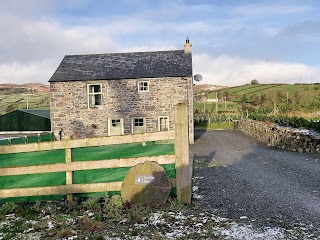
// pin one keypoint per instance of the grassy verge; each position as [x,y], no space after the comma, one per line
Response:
[98,218]
[93,218]
[215,125]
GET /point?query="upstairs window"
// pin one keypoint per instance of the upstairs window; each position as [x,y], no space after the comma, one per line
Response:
[94,95]
[143,86]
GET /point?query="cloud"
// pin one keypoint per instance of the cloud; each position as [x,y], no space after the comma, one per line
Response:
[26,73]
[46,31]
[39,40]
[33,49]
[233,71]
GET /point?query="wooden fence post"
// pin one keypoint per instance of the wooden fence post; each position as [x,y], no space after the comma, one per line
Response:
[182,154]
[69,174]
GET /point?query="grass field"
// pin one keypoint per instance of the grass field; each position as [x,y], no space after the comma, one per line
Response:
[301,98]
[211,107]
[11,102]
[249,90]
[79,154]
[215,125]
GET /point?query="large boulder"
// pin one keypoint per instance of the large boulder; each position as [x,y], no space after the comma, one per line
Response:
[146,183]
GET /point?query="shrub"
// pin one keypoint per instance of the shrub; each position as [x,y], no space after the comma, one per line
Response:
[295,122]
[9,207]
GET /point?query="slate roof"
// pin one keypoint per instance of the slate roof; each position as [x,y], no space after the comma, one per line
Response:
[117,66]
[40,113]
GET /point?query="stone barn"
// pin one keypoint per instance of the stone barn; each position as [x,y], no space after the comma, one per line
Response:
[120,93]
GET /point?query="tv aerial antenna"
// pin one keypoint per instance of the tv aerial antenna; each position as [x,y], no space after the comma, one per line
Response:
[197,77]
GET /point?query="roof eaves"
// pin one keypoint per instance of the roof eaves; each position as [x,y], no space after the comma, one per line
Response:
[118,79]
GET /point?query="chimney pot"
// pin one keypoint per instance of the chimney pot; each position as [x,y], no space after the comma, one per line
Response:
[187,46]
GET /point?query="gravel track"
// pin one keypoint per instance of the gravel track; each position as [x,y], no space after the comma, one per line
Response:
[240,178]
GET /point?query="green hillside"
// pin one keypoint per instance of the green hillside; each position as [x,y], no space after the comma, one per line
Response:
[13,101]
[291,99]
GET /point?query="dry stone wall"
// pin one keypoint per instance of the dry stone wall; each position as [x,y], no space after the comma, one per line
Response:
[281,137]
[120,99]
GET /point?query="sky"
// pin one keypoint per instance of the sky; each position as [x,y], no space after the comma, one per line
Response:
[233,41]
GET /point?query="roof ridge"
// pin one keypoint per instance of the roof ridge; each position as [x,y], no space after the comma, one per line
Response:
[116,53]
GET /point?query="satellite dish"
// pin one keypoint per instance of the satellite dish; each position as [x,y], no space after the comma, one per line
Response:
[197,77]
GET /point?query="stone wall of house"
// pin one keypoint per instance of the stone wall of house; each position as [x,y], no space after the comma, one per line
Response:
[280,137]
[120,99]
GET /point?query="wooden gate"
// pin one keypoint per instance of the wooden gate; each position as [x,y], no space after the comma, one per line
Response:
[182,182]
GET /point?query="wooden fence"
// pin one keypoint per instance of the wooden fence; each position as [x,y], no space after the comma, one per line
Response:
[180,159]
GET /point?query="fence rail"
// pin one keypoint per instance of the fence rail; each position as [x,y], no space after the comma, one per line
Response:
[87,165]
[87,142]
[180,159]
[62,190]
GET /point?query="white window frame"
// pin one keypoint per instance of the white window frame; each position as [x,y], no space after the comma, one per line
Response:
[145,88]
[159,123]
[93,94]
[142,127]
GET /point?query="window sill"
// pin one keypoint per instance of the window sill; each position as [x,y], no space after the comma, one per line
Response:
[95,107]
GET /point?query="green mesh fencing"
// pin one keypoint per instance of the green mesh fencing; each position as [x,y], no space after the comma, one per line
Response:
[33,139]
[4,142]
[122,151]
[33,180]
[32,158]
[44,137]
[21,140]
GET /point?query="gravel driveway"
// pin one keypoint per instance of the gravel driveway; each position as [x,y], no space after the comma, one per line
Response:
[239,178]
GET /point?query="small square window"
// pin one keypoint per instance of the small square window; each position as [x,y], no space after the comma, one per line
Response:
[138,122]
[143,86]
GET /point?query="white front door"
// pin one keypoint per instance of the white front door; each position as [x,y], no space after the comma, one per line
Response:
[115,126]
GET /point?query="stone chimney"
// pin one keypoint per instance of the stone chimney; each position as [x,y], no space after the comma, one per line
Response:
[187,46]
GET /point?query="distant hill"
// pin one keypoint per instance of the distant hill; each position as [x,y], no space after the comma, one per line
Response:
[277,93]
[292,99]
[22,96]
[206,88]
[9,88]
